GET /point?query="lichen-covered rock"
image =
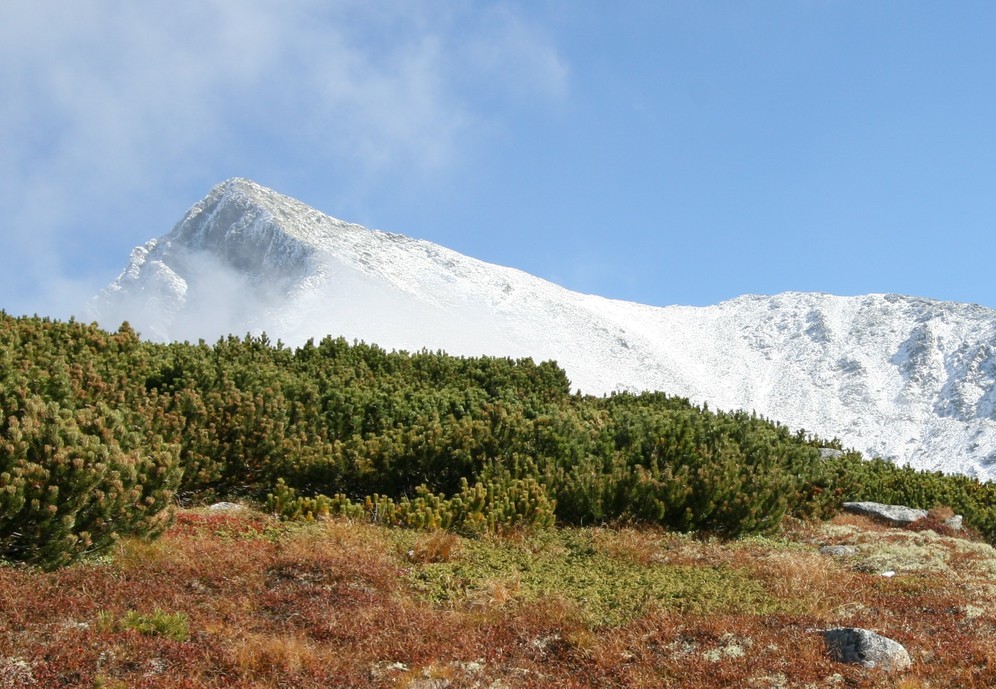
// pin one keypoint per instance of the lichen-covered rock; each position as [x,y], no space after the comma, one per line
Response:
[227,507]
[897,515]
[863,647]
[838,550]
[954,523]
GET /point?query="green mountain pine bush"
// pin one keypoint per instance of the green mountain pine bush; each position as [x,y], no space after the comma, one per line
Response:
[99,431]
[78,466]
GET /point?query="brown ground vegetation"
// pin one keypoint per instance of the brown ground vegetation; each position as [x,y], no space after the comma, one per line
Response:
[270,604]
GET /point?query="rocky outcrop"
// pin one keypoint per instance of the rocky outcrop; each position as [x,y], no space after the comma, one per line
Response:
[896,515]
[866,648]
[954,522]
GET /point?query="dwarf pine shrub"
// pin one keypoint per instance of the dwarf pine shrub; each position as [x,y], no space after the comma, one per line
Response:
[97,428]
[68,486]
[492,507]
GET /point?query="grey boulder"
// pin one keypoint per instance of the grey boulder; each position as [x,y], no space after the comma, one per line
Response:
[866,648]
[897,515]
[894,514]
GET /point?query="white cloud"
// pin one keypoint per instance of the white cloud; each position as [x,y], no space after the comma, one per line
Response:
[104,100]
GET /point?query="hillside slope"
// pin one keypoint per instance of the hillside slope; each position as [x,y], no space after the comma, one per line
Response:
[906,378]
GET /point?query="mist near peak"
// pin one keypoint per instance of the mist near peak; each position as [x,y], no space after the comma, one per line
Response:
[906,378]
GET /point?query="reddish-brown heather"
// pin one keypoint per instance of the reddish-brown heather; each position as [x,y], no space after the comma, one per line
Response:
[331,605]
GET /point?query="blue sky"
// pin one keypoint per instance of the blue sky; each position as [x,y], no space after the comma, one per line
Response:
[660,152]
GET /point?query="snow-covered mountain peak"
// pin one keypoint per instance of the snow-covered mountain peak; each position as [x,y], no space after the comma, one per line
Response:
[244,221]
[908,378]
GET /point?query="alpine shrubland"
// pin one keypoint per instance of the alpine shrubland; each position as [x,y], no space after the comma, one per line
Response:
[100,432]
[552,539]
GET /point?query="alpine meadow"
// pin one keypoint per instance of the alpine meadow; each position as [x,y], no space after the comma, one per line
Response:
[504,481]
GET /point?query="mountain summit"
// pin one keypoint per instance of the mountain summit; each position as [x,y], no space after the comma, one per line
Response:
[901,377]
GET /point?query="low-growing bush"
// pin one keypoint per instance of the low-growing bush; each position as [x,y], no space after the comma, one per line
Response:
[157,623]
[491,507]
[73,481]
[98,430]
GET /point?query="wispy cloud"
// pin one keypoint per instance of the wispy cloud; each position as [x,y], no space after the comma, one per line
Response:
[106,102]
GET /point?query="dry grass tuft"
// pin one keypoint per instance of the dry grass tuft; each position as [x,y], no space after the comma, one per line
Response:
[257,656]
[133,553]
[940,514]
[860,522]
[438,546]
[805,582]
[497,593]
[641,546]
[913,683]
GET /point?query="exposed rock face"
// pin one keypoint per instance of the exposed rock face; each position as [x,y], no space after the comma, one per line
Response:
[863,647]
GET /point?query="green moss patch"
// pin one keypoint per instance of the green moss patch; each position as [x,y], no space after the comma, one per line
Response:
[566,564]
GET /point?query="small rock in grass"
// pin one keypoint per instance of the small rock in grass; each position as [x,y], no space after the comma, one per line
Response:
[900,515]
[379,671]
[866,648]
[954,523]
[838,550]
[227,507]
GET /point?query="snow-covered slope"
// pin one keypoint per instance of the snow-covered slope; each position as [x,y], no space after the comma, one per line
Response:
[901,377]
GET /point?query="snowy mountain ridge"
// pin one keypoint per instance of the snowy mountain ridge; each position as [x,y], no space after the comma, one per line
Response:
[907,378]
